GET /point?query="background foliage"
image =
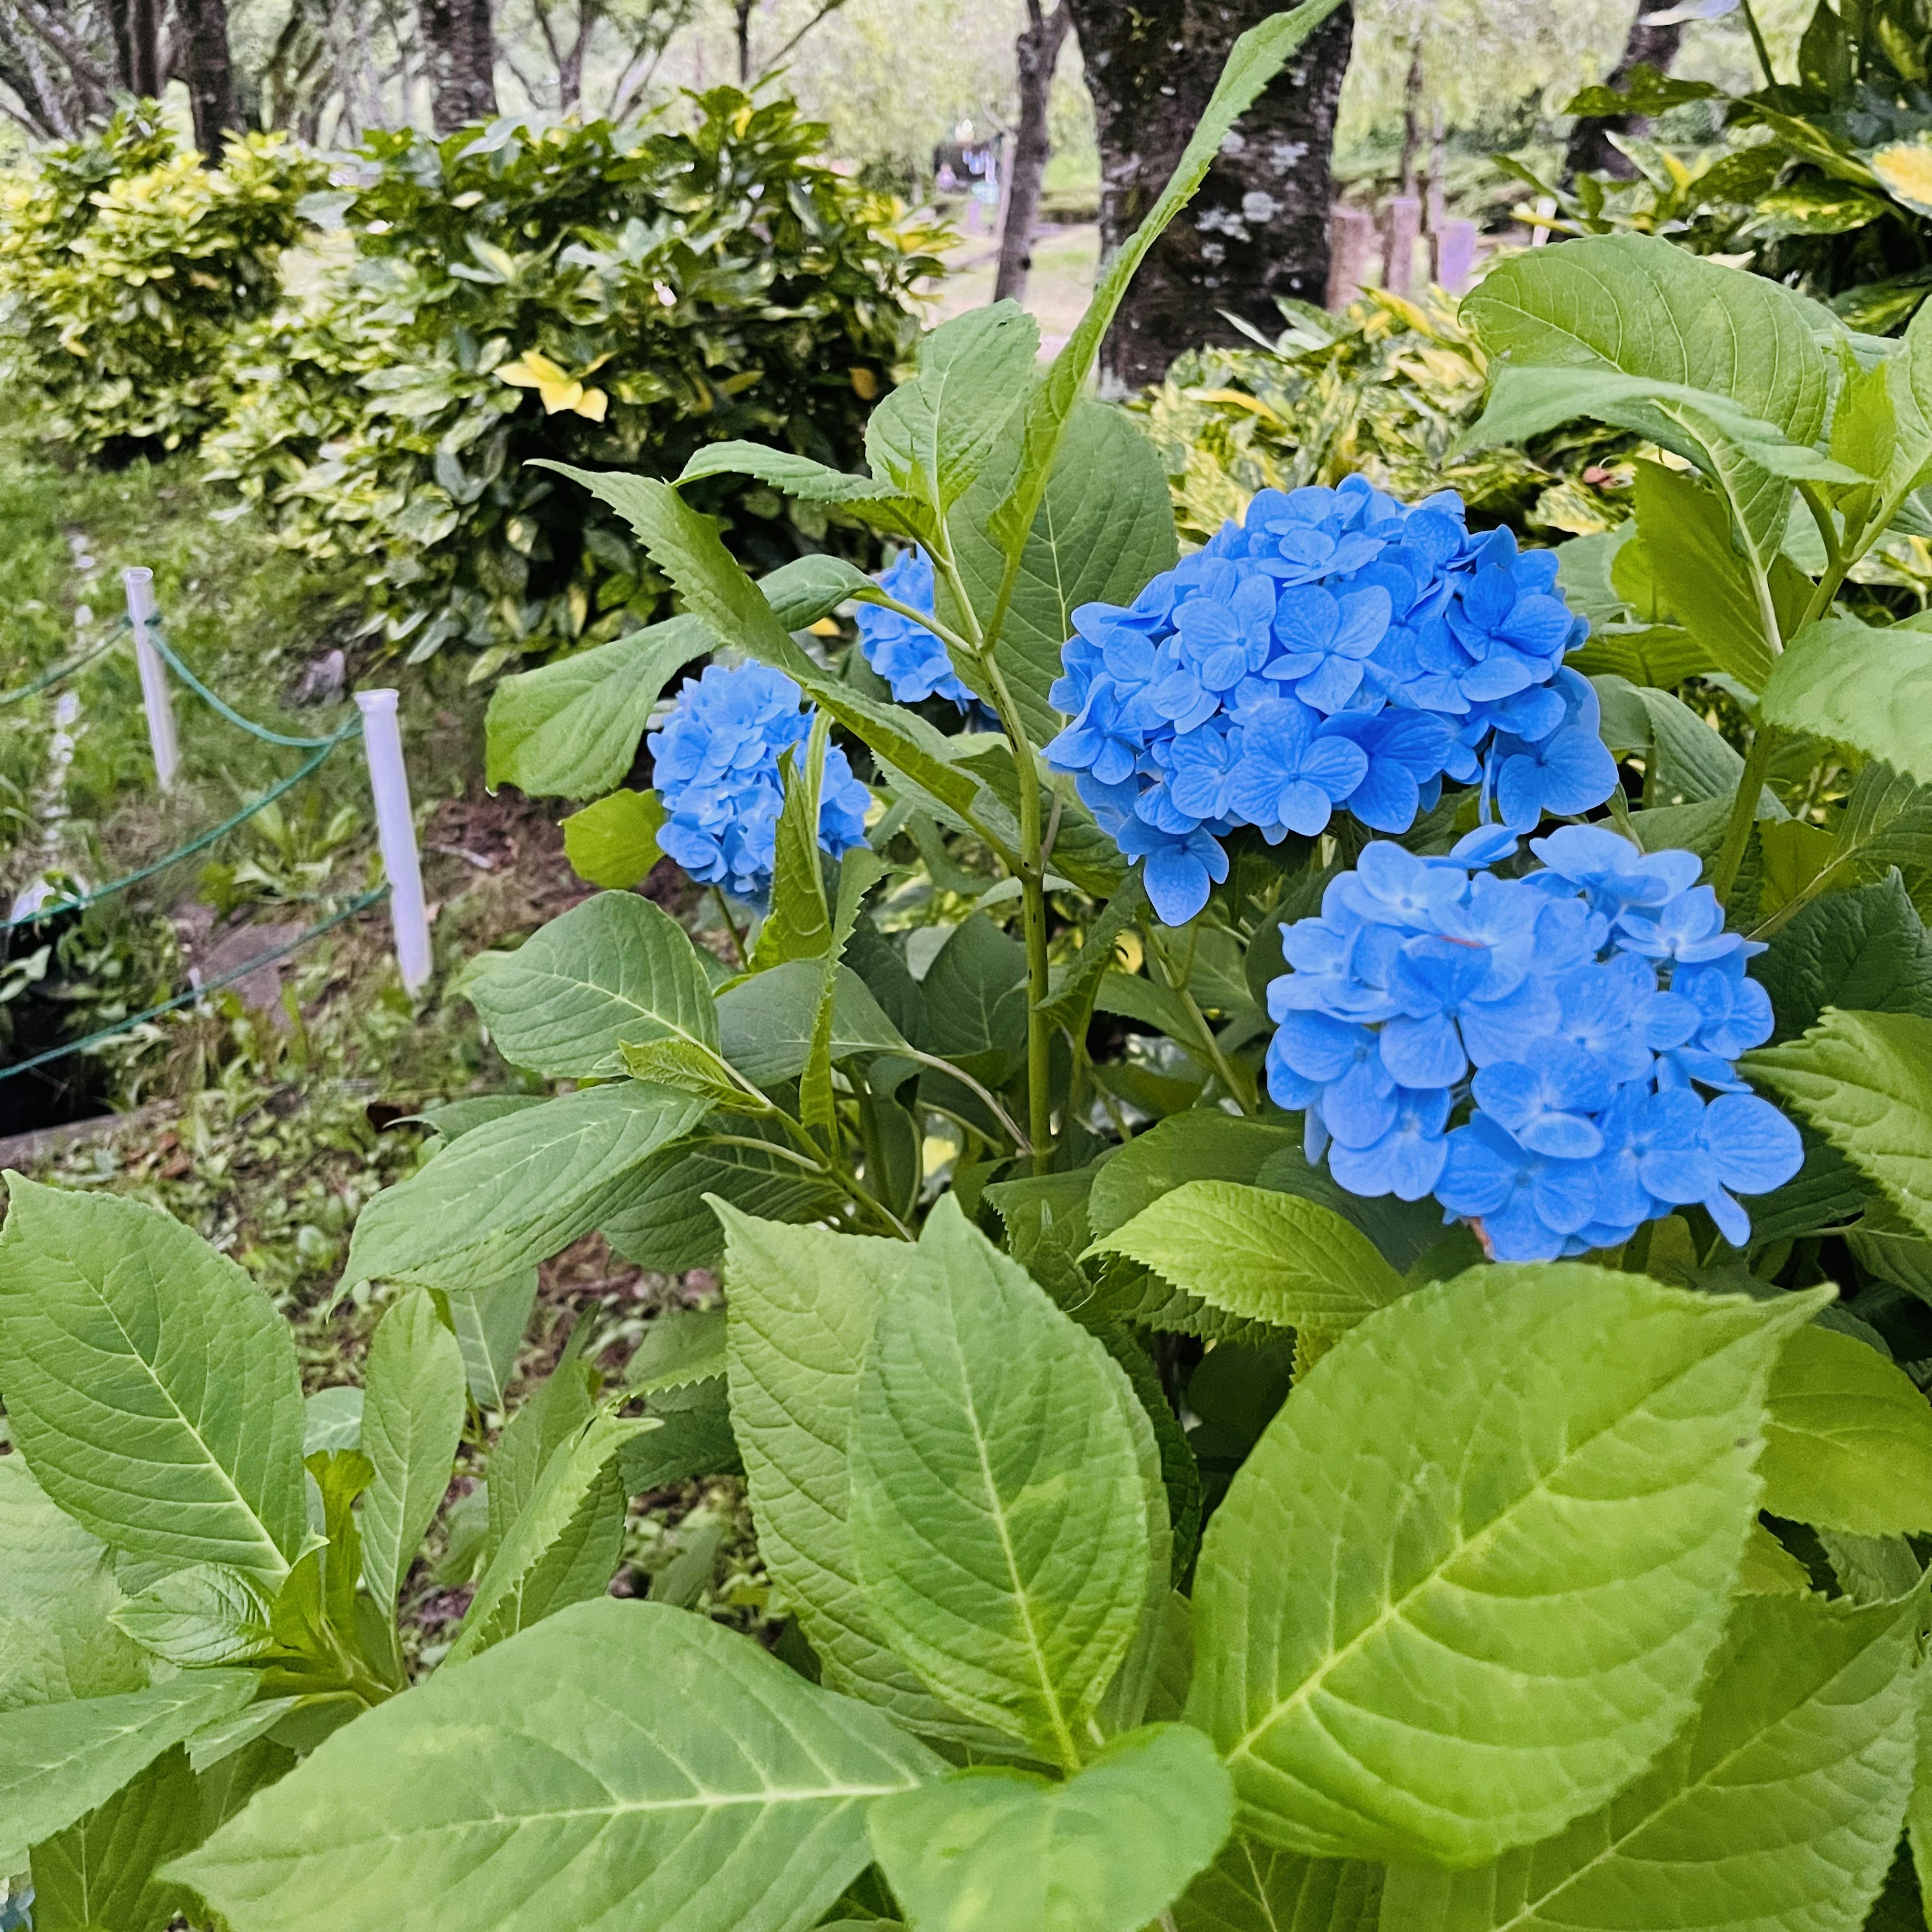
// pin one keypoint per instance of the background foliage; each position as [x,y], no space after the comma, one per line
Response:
[126,267]
[701,285]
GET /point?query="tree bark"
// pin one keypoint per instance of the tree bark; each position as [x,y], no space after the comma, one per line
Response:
[209,72]
[1411,121]
[136,27]
[1258,228]
[742,9]
[1590,151]
[459,52]
[1036,52]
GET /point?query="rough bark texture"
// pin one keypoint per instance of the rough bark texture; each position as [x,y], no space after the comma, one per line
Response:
[49,63]
[209,73]
[1036,52]
[459,50]
[136,27]
[1590,151]
[1258,228]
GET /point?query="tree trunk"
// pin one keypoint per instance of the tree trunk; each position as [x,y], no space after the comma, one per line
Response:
[743,10]
[459,52]
[1590,151]
[1258,228]
[136,27]
[209,72]
[1411,121]
[1036,52]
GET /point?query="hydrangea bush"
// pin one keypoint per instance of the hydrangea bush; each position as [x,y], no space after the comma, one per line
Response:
[1169,1515]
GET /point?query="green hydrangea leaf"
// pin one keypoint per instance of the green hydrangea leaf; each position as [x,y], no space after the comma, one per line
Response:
[622,1763]
[1779,1806]
[1106,1851]
[1864,1081]
[1848,1439]
[615,968]
[1461,1639]
[999,1516]
[151,1384]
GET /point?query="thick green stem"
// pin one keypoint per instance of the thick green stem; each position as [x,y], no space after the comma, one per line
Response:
[1033,919]
[1744,813]
[1758,43]
[1031,869]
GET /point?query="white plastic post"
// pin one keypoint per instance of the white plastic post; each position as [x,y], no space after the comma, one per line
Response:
[140,585]
[1351,254]
[396,833]
[1455,255]
[1405,225]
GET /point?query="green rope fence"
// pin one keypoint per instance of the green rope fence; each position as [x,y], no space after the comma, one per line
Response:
[158,637]
[195,993]
[200,843]
[148,631]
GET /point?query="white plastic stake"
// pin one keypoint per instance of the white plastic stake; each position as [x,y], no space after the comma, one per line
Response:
[140,585]
[396,833]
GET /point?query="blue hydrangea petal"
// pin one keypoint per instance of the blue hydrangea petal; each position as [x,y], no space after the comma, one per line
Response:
[1424,1052]
[1752,1146]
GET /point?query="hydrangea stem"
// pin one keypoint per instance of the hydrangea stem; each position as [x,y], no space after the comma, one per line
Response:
[1744,813]
[738,942]
[1033,919]
[1240,1090]
[1032,867]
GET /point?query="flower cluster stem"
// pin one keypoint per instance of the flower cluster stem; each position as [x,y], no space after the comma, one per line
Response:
[1744,813]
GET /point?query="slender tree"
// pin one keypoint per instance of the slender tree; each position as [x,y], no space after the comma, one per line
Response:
[460,54]
[136,27]
[209,72]
[1650,44]
[1258,229]
[1036,53]
[59,65]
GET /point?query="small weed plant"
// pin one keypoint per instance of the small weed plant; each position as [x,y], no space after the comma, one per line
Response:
[1259,1040]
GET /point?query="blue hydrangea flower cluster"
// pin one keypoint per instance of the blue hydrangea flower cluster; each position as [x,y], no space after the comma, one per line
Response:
[907,654]
[1337,648]
[1578,1009]
[715,766]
